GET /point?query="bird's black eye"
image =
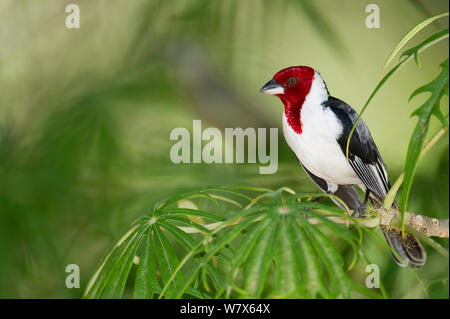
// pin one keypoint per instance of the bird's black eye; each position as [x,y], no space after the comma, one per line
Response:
[292,81]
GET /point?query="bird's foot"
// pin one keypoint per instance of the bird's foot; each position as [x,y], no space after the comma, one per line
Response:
[360,212]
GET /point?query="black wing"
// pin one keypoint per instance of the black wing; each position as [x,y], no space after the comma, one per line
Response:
[368,164]
[363,154]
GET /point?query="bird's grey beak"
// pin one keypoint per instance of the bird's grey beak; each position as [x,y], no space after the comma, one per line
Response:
[272,87]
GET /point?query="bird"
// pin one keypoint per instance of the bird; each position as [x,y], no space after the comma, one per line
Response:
[316,127]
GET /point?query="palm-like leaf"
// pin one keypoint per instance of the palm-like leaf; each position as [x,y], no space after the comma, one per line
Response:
[269,248]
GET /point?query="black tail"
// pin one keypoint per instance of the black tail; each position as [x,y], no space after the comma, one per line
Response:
[407,247]
[410,251]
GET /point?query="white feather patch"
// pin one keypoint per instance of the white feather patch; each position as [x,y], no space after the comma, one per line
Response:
[317,147]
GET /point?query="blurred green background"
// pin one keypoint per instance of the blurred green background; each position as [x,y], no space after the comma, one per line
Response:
[85,116]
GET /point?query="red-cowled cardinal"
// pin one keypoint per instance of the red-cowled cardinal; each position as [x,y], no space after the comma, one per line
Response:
[316,127]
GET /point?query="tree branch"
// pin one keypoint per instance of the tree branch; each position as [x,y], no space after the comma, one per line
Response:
[428,226]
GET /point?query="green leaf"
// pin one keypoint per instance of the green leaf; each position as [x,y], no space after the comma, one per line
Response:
[332,210]
[197,294]
[438,88]
[405,57]
[215,276]
[312,269]
[189,243]
[341,232]
[435,38]
[160,206]
[146,282]
[244,250]
[230,234]
[183,238]
[341,283]
[222,241]
[118,278]
[191,212]
[103,274]
[167,260]
[258,263]
[332,261]
[408,36]
[272,230]
[288,267]
[185,221]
